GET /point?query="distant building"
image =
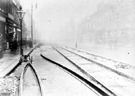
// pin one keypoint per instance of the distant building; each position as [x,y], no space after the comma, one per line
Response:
[113,24]
[67,31]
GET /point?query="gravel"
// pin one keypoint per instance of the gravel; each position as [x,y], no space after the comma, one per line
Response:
[9,86]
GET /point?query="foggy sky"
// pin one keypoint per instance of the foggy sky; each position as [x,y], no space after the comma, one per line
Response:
[50,15]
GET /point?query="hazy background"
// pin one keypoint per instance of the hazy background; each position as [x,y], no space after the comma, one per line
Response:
[51,15]
[95,25]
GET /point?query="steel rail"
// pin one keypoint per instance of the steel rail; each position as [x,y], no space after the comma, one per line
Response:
[37,78]
[32,50]
[91,78]
[11,70]
[91,86]
[113,70]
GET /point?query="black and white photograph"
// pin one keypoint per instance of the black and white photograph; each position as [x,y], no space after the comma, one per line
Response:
[67,47]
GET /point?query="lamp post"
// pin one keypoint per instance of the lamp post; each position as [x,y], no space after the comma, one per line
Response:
[21,14]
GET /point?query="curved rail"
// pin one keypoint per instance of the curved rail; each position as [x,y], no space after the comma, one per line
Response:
[24,83]
[94,61]
[91,86]
[92,79]
[12,67]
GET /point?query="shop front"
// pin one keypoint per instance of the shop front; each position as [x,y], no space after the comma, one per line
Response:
[12,33]
[2,34]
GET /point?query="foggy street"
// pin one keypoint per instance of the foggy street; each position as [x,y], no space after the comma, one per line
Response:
[67,47]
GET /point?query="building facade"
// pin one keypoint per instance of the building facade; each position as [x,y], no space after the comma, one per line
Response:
[113,24]
[3,17]
[9,24]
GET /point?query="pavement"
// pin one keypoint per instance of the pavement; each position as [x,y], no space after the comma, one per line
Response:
[9,61]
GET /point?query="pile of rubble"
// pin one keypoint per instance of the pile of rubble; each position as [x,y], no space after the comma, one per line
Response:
[9,86]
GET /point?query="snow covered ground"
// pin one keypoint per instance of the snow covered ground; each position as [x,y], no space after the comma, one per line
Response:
[120,60]
[121,54]
[119,85]
[57,82]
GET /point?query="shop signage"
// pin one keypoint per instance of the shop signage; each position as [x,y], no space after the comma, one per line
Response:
[2,19]
[10,16]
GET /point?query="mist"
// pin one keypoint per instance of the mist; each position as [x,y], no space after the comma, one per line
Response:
[52,16]
[60,20]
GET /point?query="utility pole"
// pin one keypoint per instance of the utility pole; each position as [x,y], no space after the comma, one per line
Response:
[31,25]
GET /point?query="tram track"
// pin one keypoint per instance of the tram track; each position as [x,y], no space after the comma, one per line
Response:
[24,80]
[92,72]
[94,87]
[101,75]
[30,83]
[14,65]
[14,76]
[96,62]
